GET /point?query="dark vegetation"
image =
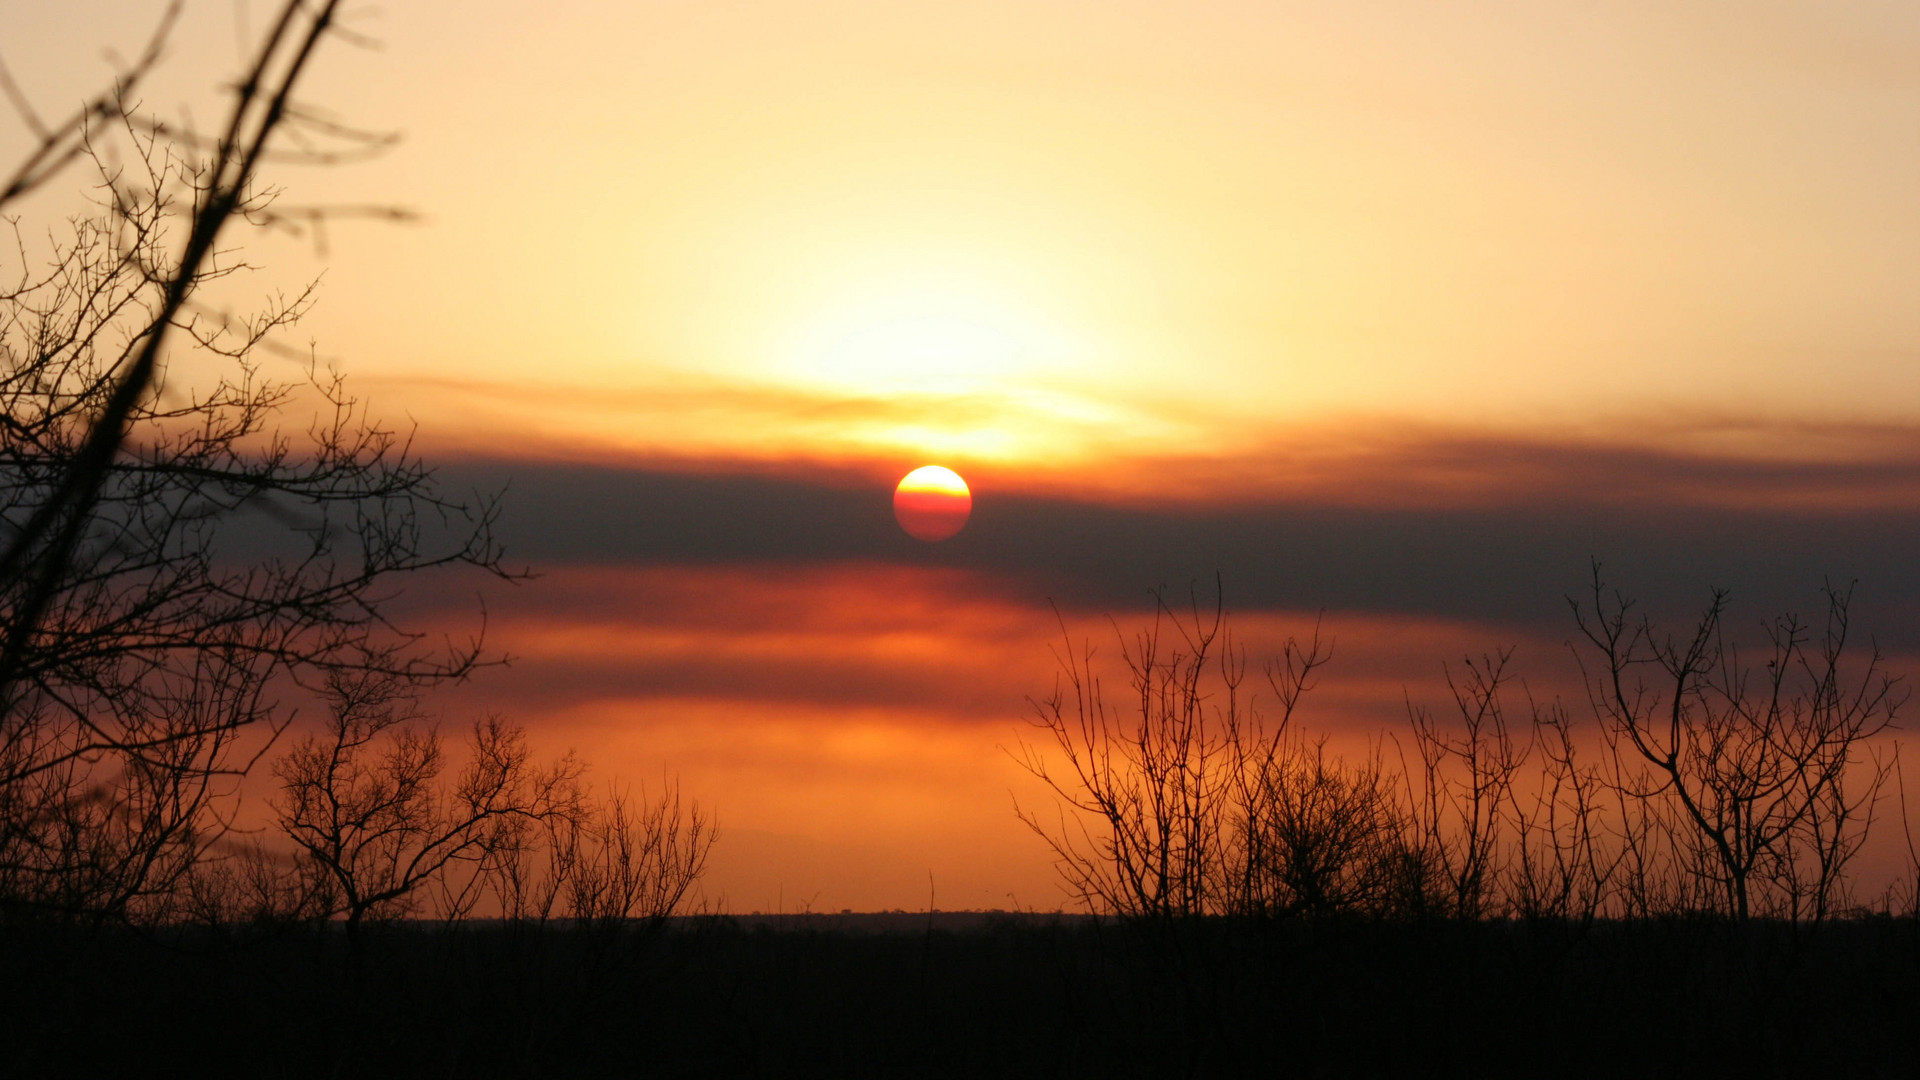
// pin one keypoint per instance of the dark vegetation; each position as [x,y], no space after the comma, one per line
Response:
[1710,781]
[1656,880]
[715,997]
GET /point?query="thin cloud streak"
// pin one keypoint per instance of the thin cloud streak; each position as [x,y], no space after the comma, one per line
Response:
[1163,452]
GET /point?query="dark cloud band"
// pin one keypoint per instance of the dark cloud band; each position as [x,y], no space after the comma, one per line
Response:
[1506,563]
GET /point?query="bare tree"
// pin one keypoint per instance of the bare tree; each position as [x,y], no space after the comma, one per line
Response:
[1187,801]
[1262,762]
[1563,863]
[58,145]
[1752,761]
[1146,784]
[635,859]
[1466,785]
[382,830]
[220,186]
[253,884]
[1325,837]
[170,561]
[1707,783]
[611,861]
[1808,871]
[363,801]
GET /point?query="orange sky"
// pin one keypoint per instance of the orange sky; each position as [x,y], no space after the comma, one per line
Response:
[1203,281]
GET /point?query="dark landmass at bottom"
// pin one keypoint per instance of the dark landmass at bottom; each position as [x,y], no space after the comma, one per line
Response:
[975,995]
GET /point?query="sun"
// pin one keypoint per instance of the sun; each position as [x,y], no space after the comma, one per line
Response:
[932,503]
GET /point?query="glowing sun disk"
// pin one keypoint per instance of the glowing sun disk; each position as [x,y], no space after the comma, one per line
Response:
[932,503]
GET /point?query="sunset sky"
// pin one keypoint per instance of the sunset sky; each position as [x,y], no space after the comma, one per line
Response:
[1400,312]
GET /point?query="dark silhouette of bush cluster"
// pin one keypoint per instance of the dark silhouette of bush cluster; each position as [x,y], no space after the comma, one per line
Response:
[1709,780]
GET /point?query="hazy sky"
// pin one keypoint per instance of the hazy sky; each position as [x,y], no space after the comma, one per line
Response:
[1109,224]
[1397,310]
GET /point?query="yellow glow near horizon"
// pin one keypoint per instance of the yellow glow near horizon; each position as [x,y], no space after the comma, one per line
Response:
[925,332]
[937,352]
[994,351]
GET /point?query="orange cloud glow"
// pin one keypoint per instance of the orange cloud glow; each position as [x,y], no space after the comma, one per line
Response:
[1172,456]
[851,724]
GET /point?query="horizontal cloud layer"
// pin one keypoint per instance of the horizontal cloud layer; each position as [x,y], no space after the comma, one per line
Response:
[1511,560]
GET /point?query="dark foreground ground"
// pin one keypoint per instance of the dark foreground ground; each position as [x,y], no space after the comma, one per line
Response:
[967,996]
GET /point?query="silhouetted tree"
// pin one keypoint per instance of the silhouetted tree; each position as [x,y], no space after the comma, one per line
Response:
[629,859]
[217,178]
[364,802]
[1324,837]
[607,862]
[1563,862]
[1191,801]
[167,555]
[1147,783]
[1707,784]
[1752,762]
[256,884]
[1466,781]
